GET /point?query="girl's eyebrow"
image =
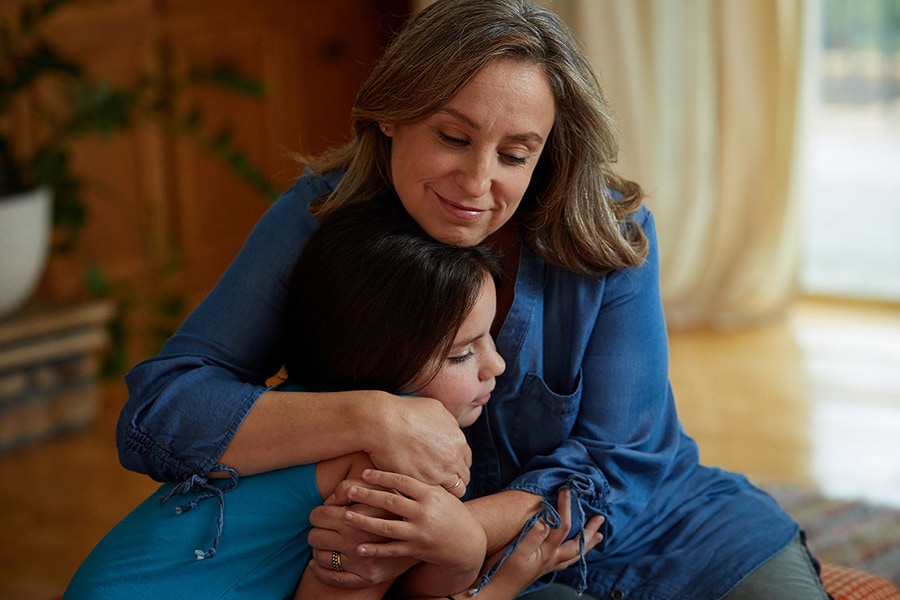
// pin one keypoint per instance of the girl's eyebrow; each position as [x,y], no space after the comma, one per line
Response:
[467,342]
[532,136]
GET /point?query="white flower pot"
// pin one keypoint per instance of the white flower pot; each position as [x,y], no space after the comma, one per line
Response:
[24,245]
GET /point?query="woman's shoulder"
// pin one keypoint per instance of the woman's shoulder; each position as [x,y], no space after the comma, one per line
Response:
[290,211]
[310,186]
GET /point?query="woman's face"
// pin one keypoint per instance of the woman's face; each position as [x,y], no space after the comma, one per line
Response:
[461,172]
[466,377]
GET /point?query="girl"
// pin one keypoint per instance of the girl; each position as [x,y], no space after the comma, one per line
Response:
[385,307]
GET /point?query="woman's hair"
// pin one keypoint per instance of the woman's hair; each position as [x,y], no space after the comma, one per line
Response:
[375,303]
[568,214]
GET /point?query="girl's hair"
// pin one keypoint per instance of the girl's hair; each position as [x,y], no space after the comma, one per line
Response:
[375,303]
[568,214]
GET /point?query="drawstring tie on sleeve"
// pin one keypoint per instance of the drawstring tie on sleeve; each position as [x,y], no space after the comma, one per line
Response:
[578,486]
[207,489]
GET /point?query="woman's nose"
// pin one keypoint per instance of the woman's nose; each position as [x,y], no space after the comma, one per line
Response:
[474,177]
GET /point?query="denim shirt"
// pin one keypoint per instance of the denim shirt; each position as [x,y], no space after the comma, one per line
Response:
[585,403]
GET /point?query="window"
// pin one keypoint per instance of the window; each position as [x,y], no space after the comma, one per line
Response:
[852,204]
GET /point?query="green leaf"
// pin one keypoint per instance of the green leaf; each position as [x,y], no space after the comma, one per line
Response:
[96,282]
[41,61]
[228,78]
[33,15]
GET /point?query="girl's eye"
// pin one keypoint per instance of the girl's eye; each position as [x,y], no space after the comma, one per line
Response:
[461,358]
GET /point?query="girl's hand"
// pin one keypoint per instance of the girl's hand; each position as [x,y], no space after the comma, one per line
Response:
[418,437]
[433,525]
[542,550]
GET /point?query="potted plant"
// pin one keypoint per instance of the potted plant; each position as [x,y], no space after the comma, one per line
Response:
[39,191]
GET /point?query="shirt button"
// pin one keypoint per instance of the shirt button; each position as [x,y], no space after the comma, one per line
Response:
[617,595]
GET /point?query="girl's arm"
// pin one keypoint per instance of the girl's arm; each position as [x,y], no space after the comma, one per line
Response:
[427,524]
[542,550]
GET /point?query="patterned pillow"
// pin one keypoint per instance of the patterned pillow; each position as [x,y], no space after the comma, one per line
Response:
[844,583]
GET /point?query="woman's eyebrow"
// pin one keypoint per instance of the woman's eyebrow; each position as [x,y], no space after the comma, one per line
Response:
[519,137]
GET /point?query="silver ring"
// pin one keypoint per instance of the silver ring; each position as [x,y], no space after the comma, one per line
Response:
[455,485]
[336,561]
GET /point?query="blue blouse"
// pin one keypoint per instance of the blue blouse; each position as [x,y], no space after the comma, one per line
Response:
[585,403]
[153,552]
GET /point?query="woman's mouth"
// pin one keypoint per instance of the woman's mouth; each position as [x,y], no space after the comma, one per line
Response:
[460,211]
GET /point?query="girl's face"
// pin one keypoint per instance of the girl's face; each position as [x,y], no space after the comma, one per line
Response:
[461,173]
[466,377]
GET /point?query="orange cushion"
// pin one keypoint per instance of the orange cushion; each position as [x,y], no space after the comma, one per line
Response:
[844,583]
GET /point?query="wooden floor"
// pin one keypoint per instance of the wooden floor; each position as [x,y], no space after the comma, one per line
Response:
[813,400]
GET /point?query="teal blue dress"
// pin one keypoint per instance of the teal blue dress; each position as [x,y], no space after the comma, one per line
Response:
[153,552]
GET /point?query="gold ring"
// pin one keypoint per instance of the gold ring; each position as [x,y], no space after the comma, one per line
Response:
[455,485]
[336,561]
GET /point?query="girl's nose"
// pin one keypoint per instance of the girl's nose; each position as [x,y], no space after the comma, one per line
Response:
[494,365]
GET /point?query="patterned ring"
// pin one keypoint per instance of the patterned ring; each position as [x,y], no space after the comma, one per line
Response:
[336,561]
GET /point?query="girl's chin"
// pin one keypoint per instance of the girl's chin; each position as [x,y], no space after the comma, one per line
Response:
[470,417]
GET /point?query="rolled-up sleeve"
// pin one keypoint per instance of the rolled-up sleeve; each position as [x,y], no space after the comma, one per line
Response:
[186,404]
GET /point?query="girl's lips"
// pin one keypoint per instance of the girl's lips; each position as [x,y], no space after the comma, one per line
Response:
[483,400]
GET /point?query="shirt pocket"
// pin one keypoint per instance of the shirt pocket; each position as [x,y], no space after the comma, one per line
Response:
[544,418]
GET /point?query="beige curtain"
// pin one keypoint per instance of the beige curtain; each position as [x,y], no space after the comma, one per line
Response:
[708,94]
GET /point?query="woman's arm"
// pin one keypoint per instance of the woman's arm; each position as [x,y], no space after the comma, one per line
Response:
[427,444]
[203,400]
[311,588]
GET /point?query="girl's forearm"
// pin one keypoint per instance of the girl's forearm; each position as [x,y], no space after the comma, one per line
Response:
[503,515]
[284,429]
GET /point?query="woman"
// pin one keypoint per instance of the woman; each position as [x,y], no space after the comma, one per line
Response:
[372,261]
[487,122]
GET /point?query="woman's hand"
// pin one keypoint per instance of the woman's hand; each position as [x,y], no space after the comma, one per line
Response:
[331,534]
[418,437]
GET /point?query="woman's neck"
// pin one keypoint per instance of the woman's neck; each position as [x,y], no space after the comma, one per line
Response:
[507,241]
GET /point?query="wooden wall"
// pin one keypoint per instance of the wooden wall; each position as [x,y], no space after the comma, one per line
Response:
[154,197]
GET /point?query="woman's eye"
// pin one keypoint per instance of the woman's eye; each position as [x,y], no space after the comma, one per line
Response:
[453,141]
[461,358]
[515,160]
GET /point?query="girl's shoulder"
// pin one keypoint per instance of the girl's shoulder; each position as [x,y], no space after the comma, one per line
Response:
[329,473]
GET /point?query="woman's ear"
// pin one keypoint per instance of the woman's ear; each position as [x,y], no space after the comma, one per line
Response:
[387,129]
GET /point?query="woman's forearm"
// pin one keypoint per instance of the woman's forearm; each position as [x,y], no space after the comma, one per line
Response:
[284,429]
[503,515]
[414,436]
